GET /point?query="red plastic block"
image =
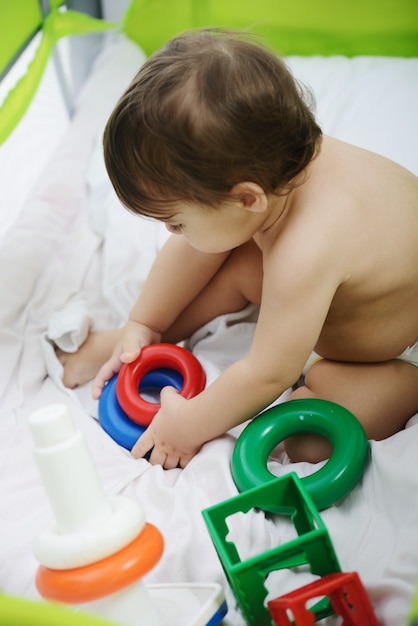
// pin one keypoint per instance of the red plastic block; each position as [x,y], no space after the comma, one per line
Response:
[347,596]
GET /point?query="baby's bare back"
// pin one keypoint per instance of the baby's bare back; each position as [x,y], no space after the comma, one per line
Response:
[370,208]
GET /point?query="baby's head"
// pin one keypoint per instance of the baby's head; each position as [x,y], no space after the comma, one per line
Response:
[209,110]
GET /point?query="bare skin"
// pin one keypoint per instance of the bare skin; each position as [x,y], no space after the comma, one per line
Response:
[334,267]
[82,366]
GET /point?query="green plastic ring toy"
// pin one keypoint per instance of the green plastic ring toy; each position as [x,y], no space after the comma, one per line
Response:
[327,485]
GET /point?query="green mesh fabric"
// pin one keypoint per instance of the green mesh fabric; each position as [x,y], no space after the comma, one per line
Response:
[306,27]
[54,26]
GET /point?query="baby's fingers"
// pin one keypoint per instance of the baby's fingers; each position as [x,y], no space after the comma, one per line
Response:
[130,355]
[105,373]
[143,445]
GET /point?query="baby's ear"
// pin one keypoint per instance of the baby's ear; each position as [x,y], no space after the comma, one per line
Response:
[251,196]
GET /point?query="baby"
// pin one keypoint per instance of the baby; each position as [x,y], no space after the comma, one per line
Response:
[216,139]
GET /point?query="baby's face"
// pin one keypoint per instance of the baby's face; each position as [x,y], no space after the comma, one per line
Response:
[213,230]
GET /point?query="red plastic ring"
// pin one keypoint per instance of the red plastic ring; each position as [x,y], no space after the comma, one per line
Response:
[153,357]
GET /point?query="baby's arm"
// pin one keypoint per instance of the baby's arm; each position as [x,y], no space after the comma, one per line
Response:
[178,274]
[293,309]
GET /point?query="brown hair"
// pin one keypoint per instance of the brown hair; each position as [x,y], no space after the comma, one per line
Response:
[210,109]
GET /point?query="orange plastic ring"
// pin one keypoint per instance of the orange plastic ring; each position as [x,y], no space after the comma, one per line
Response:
[153,357]
[102,578]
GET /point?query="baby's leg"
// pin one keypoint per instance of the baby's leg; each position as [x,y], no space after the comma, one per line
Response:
[383,396]
[82,366]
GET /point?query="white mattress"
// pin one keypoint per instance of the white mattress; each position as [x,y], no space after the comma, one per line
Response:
[75,257]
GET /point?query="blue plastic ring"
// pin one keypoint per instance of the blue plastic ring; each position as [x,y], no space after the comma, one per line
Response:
[113,419]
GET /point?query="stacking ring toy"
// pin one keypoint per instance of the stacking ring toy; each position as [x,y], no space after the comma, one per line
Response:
[159,355]
[113,419]
[101,578]
[325,486]
[159,378]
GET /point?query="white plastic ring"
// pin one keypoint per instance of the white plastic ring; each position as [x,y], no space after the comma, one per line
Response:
[58,550]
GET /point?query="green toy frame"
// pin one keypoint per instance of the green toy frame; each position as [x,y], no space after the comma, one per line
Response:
[311,547]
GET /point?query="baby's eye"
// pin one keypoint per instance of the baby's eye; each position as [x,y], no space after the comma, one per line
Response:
[175,228]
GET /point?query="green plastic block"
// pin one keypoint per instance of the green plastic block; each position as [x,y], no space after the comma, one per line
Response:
[312,545]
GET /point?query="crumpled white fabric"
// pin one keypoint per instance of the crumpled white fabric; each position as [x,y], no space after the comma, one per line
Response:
[68,327]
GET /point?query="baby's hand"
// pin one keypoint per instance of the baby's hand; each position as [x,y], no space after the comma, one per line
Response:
[134,337]
[170,439]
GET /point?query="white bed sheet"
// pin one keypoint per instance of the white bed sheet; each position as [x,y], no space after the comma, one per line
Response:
[74,246]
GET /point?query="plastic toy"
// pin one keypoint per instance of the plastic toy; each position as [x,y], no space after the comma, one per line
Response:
[312,546]
[99,548]
[347,596]
[158,365]
[124,410]
[327,485]
[113,418]
[152,357]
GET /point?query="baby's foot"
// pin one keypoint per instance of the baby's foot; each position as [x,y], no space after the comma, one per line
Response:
[82,366]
